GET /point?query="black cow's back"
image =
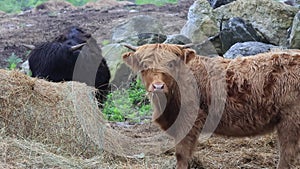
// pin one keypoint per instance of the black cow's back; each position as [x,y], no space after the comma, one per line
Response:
[55,61]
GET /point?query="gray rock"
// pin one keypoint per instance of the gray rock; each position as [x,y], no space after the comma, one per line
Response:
[290,2]
[120,73]
[237,30]
[178,39]
[201,22]
[269,17]
[206,48]
[217,3]
[211,47]
[294,40]
[25,68]
[148,38]
[248,49]
[130,31]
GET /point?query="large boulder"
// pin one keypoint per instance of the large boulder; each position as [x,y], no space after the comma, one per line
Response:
[210,47]
[148,38]
[135,30]
[201,22]
[120,73]
[248,49]
[294,40]
[237,30]
[271,18]
[178,39]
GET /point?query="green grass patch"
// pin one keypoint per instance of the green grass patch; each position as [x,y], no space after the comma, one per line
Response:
[105,42]
[131,105]
[155,2]
[15,6]
[13,60]
[80,2]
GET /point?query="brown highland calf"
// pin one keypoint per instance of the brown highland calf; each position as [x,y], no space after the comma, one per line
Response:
[245,96]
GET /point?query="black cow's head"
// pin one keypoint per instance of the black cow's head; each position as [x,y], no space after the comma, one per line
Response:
[73,35]
[73,38]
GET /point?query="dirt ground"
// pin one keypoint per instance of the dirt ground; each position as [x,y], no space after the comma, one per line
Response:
[35,26]
[32,27]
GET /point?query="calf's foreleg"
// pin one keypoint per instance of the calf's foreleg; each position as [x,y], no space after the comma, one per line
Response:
[289,138]
[184,149]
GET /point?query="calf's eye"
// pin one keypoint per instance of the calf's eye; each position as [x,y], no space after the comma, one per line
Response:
[144,66]
[171,64]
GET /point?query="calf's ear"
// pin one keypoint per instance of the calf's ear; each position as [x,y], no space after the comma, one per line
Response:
[127,58]
[188,55]
[130,60]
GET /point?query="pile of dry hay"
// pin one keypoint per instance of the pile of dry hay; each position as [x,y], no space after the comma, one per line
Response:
[45,124]
[43,111]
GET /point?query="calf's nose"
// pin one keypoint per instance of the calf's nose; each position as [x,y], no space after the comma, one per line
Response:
[158,86]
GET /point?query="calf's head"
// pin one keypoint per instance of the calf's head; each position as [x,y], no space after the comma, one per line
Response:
[161,67]
[159,64]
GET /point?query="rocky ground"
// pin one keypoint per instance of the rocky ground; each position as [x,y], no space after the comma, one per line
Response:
[35,26]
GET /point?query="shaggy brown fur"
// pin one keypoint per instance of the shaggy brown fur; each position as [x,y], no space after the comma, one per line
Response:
[262,93]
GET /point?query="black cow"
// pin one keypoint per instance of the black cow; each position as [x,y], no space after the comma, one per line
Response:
[55,61]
